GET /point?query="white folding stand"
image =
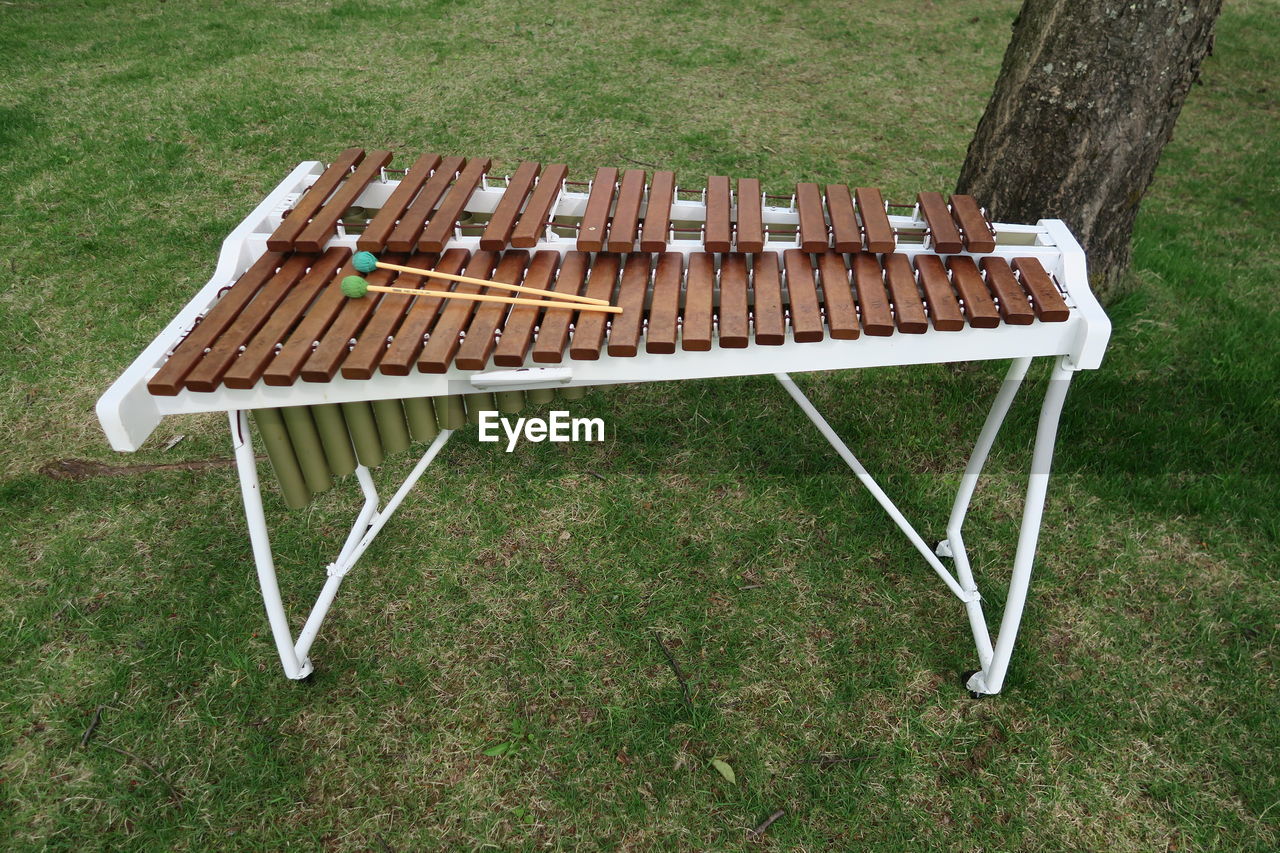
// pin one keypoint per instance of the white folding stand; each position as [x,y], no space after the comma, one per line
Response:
[369,523]
[994,661]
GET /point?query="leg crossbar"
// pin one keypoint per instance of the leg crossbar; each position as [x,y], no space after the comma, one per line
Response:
[994,660]
[294,654]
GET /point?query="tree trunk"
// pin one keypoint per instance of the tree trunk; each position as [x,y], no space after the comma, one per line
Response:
[1086,99]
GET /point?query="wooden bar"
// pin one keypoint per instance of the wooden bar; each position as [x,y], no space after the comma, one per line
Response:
[1047,302]
[813,223]
[624,329]
[479,343]
[588,331]
[718,233]
[939,297]
[1014,307]
[321,227]
[766,284]
[444,342]
[553,332]
[403,351]
[281,240]
[943,236]
[697,327]
[664,311]
[168,379]
[533,222]
[733,314]
[626,215]
[497,234]
[439,230]
[294,352]
[258,352]
[375,234]
[261,327]
[908,310]
[975,231]
[750,216]
[845,233]
[802,296]
[596,217]
[406,233]
[362,361]
[837,296]
[974,295]
[657,213]
[331,348]
[517,332]
[207,375]
[873,302]
[876,230]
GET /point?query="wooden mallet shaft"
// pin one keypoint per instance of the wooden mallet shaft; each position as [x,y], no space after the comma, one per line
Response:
[483,297]
[569,297]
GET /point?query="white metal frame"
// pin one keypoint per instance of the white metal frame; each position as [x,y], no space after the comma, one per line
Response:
[129,413]
[993,659]
[294,655]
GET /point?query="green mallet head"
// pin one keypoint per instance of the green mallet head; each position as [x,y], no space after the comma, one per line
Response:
[354,286]
[365,261]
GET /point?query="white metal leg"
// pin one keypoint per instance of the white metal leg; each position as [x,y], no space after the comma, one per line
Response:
[333,579]
[260,539]
[991,677]
[370,521]
[994,660]
[953,545]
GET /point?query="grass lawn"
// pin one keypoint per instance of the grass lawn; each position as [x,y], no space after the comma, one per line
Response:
[527,599]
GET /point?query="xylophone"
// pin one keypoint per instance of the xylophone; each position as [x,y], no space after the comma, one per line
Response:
[626,277]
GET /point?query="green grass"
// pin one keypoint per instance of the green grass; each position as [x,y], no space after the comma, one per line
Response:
[523,597]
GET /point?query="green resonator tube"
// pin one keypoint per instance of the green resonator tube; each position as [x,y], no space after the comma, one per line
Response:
[311,445]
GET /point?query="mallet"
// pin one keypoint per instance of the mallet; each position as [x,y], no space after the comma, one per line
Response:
[367,262]
[356,287]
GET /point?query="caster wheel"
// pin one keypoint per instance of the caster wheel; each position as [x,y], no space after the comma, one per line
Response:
[964,682]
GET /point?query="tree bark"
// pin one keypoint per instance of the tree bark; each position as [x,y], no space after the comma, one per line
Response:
[1086,99]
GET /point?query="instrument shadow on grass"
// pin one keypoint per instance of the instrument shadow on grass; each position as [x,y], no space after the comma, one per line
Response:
[1177,445]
